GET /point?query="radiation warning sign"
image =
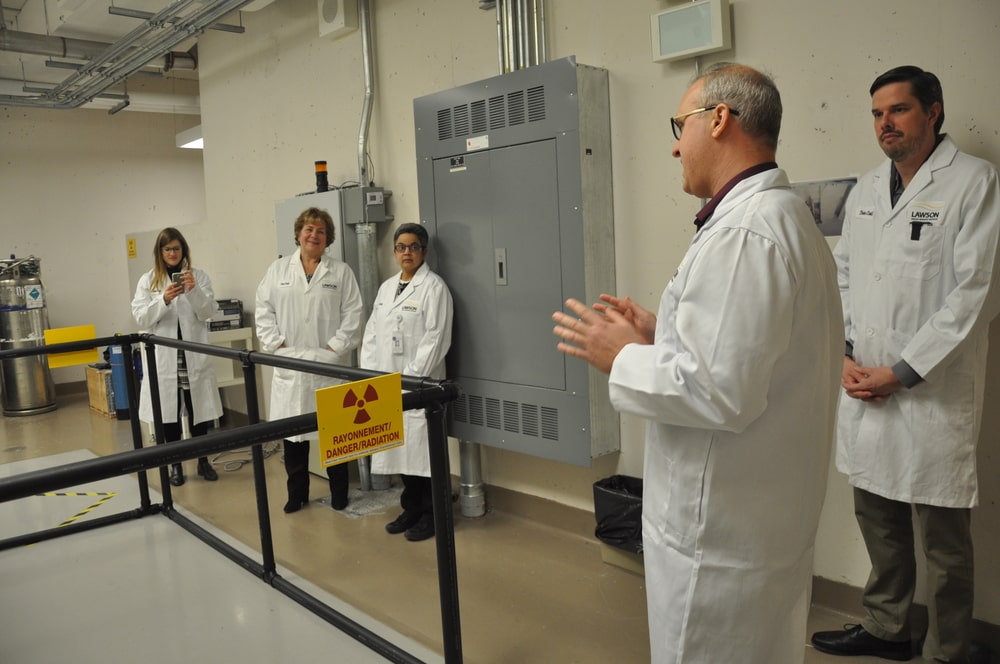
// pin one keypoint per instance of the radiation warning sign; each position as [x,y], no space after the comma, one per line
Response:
[358,419]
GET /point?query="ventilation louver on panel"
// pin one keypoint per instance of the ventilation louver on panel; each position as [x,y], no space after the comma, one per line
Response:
[477,117]
[536,104]
[512,416]
[461,119]
[498,113]
[444,124]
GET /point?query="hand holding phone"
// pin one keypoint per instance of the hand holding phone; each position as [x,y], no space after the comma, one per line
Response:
[178,280]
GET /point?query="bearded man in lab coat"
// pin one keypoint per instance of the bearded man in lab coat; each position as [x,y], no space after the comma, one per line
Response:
[917,265]
[737,374]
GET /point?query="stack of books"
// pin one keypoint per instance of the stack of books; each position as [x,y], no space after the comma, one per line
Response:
[230,316]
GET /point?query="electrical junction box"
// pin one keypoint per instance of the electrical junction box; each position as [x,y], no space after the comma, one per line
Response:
[337,17]
[514,180]
[363,205]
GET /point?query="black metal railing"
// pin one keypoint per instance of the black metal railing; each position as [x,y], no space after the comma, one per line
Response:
[430,395]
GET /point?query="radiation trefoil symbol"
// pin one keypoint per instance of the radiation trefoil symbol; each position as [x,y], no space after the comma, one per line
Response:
[351,399]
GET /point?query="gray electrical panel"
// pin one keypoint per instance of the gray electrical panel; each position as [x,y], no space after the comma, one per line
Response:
[514,178]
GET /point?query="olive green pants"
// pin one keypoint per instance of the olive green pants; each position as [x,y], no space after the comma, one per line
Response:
[946,537]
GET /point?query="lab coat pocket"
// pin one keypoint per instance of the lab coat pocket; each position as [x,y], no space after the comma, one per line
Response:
[681,494]
[918,258]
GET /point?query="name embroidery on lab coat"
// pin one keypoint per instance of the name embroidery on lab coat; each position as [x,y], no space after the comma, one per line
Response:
[410,307]
[866,212]
[329,286]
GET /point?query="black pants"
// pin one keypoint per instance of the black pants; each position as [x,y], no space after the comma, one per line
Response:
[416,496]
[297,468]
[172,430]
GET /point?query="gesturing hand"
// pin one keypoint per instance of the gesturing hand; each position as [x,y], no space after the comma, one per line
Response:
[594,336]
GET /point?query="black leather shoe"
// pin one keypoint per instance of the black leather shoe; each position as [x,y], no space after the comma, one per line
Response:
[854,640]
[403,522]
[294,505]
[423,529]
[205,470]
[176,475]
[338,502]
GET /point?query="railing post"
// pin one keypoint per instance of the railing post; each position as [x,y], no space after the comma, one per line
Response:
[133,410]
[444,529]
[259,473]
[154,401]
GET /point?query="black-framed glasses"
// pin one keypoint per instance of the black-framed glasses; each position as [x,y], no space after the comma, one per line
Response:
[413,248]
[677,127]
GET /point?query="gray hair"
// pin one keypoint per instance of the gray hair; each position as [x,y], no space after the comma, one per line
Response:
[748,91]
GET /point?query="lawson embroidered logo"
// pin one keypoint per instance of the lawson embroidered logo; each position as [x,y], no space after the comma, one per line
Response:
[926,211]
[410,308]
[330,287]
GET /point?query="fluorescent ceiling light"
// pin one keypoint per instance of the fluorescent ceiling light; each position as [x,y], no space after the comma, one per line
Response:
[191,138]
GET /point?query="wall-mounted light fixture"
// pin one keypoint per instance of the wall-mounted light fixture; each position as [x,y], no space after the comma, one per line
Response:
[191,138]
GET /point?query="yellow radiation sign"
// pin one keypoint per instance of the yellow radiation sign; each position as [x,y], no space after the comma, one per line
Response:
[358,419]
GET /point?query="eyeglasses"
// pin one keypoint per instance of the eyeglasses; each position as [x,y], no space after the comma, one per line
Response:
[171,250]
[402,248]
[678,127]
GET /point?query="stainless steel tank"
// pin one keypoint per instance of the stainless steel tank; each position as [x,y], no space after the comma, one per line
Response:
[27,387]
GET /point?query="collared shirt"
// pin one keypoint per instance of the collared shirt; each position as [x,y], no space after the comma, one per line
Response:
[896,187]
[706,212]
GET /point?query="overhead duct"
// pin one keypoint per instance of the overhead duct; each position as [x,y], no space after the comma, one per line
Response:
[153,39]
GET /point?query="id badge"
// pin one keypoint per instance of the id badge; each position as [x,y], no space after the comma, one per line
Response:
[397,343]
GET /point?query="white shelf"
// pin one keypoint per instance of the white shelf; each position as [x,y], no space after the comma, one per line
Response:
[230,372]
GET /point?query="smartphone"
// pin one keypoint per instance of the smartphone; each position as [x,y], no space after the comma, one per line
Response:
[178,278]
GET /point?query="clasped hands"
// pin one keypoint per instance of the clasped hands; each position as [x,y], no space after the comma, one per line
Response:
[597,335]
[871,384]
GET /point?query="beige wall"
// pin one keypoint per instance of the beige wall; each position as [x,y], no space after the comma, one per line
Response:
[72,184]
[279,97]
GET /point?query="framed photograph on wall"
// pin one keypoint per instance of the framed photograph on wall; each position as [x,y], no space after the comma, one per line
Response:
[826,200]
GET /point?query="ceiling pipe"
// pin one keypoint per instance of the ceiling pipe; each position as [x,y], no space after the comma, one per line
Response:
[177,22]
[146,102]
[79,49]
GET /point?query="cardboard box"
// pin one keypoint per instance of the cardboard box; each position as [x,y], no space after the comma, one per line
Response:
[100,391]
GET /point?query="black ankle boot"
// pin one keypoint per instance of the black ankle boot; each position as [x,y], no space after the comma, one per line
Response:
[205,470]
[176,475]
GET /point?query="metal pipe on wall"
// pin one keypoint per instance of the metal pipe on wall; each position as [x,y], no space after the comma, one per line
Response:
[520,34]
[366,107]
[365,232]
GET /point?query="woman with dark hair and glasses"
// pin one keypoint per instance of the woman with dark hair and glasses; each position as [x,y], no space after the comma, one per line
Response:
[409,331]
[175,300]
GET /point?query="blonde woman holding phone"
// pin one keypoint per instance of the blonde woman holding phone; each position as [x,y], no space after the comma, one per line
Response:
[175,300]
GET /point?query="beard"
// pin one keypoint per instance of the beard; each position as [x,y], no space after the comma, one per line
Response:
[903,148]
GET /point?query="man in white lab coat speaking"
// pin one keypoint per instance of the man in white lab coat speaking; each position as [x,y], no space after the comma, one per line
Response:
[738,376]
[917,266]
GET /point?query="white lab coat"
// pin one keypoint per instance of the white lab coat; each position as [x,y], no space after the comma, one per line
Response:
[929,302]
[192,309]
[306,317]
[740,389]
[420,320]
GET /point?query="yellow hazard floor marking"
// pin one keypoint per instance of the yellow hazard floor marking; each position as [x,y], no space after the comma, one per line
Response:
[107,495]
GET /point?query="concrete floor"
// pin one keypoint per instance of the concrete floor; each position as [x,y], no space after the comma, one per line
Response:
[148,591]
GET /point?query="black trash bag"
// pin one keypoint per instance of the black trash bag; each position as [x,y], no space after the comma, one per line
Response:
[618,509]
